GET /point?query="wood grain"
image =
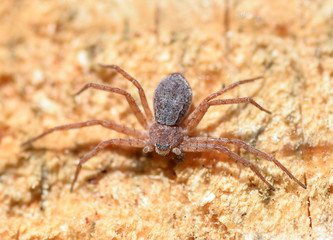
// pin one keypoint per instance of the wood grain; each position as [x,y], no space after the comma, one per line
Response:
[50,49]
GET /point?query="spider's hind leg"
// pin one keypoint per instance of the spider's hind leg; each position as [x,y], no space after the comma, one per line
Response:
[137,85]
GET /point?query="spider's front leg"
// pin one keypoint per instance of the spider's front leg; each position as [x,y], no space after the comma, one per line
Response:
[122,142]
[188,146]
[244,145]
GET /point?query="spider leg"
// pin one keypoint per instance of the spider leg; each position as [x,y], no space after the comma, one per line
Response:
[134,106]
[247,147]
[193,122]
[216,94]
[119,128]
[137,85]
[188,146]
[132,142]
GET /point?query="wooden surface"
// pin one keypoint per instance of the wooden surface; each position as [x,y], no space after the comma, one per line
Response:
[49,49]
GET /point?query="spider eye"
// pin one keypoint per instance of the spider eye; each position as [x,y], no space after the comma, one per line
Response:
[162,150]
[161,147]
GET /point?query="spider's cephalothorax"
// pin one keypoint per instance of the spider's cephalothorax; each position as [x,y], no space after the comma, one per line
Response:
[170,130]
[164,138]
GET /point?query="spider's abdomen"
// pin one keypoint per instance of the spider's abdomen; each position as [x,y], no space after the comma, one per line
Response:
[172,99]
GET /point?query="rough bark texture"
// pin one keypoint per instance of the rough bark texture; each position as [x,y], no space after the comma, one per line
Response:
[50,49]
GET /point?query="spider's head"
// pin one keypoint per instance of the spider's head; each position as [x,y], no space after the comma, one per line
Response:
[162,150]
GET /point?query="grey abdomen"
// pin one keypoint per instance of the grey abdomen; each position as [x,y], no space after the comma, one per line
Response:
[172,99]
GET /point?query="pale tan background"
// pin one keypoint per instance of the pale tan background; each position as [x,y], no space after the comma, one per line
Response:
[49,49]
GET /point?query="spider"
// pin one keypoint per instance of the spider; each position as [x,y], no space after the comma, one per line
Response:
[169,131]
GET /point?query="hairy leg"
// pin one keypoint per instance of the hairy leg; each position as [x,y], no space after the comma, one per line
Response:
[119,128]
[193,122]
[216,94]
[134,106]
[247,147]
[201,147]
[137,85]
[123,142]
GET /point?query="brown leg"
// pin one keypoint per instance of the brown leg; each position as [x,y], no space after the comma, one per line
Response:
[193,123]
[216,94]
[134,106]
[200,147]
[136,143]
[137,85]
[119,128]
[247,147]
